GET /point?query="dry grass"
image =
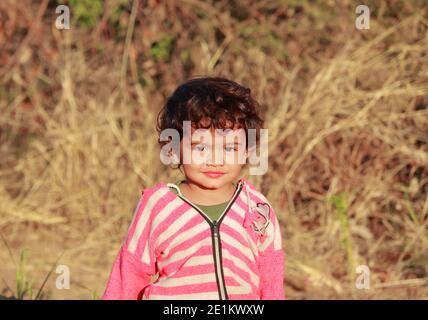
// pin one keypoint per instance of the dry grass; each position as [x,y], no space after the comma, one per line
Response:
[347,113]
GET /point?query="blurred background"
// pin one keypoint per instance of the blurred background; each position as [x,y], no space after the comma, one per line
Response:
[346,109]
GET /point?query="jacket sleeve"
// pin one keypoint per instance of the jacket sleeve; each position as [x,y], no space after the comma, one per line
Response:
[134,264]
[271,262]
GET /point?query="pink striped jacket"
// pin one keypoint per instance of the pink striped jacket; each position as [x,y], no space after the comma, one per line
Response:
[239,256]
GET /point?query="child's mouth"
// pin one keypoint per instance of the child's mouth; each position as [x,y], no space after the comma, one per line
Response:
[214,174]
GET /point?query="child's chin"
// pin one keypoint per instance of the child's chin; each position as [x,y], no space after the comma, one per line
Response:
[213,183]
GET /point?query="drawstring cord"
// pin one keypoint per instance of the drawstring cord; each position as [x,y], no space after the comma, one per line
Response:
[175,187]
[256,217]
[249,204]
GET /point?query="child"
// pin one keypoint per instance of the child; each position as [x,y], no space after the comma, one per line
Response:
[210,235]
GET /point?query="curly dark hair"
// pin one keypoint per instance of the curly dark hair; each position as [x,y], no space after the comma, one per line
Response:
[211,102]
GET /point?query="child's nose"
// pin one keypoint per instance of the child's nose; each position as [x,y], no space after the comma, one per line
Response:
[216,159]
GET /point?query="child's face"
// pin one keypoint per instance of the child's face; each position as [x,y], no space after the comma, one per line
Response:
[214,159]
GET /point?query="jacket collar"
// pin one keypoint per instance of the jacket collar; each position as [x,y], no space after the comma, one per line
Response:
[241,181]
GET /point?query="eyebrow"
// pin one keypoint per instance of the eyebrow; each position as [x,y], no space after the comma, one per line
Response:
[229,143]
[197,142]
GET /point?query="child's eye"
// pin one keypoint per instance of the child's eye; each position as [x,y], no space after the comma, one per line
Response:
[229,148]
[200,147]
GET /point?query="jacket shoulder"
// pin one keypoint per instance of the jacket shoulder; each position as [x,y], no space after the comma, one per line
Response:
[150,190]
[153,196]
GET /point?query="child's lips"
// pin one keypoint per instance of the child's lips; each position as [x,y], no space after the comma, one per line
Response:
[214,174]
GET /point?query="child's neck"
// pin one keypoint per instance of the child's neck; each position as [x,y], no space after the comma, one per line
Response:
[200,195]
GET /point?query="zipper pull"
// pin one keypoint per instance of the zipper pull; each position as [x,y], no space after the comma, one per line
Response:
[215,228]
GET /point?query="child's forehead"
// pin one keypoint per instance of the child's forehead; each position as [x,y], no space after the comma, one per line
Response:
[217,132]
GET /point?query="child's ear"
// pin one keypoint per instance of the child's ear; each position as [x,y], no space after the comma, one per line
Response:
[174,158]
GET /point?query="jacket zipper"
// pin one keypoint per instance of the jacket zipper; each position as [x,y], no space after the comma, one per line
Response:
[215,234]
[218,264]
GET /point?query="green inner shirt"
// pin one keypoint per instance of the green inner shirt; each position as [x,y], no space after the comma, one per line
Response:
[213,211]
